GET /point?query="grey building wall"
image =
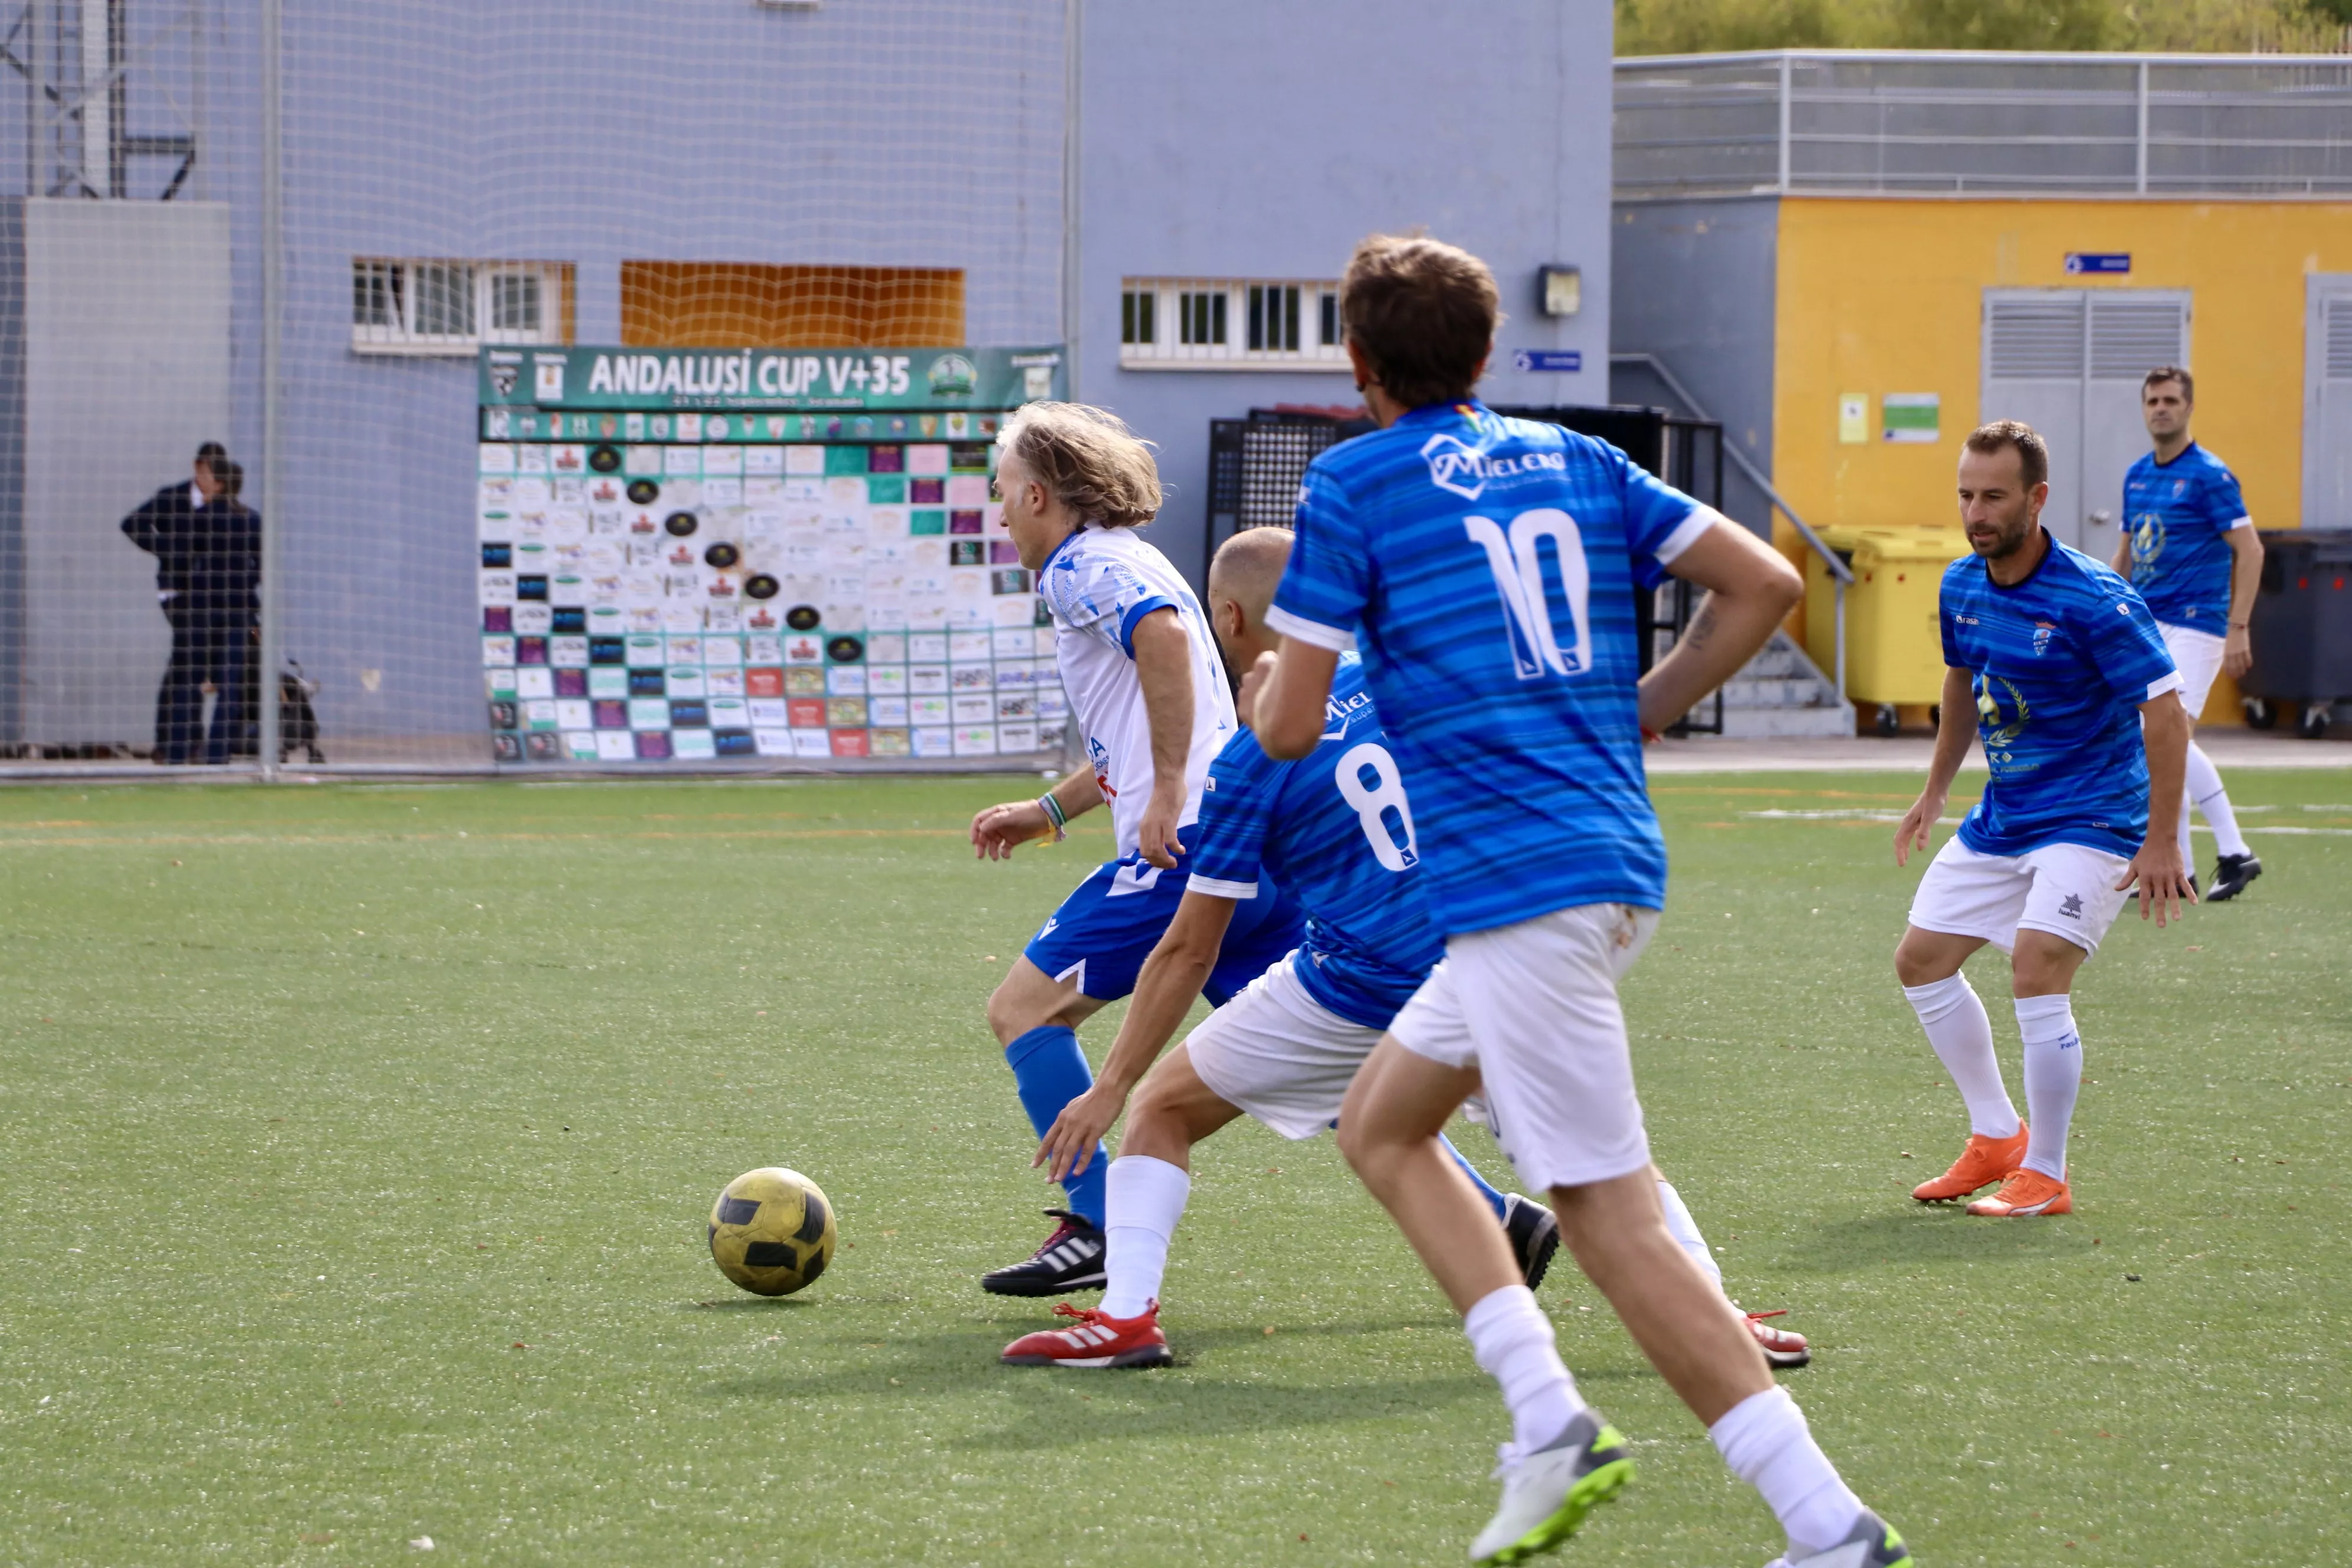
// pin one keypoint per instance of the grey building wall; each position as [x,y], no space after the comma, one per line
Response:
[1696,287]
[911,132]
[126,372]
[1218,139]
[1228,139]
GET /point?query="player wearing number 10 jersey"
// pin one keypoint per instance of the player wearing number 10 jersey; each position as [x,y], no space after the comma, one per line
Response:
[1486,567]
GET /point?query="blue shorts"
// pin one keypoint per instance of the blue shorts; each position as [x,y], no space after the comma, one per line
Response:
[1109,924]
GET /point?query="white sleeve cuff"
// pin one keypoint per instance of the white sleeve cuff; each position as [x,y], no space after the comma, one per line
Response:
[1686,533]
[2161,685]
[2242,523]
[1333,638]
[1217,889]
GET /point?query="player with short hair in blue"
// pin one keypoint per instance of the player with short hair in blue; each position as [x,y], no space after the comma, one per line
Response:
[2193,553]
[1135,655]
[1336,828]
[1486,568]
[2056,663]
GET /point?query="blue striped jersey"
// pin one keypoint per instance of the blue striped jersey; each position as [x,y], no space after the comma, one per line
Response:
[1335,829]
[2180,515]
[1486,567]
[2060,665]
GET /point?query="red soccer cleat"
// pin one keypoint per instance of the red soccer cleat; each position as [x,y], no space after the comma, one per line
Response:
[1784,1348]
[1099,1340]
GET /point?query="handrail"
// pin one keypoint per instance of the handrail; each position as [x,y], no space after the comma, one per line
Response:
[1840,575]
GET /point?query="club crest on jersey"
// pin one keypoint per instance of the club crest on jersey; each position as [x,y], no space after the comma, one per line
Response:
[1457,466]
[2041,631]
[2002,712]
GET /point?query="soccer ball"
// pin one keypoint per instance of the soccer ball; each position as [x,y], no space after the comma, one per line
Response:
[772,1231]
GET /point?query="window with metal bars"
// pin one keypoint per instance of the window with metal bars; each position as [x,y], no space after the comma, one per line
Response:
[1201,318]
[441,307]
[1274,316]
[1137,317]
[1230,324]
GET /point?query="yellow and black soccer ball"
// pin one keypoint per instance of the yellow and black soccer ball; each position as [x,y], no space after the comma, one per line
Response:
[772,1231]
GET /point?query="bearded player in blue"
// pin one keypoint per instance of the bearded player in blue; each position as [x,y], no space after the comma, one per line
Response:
[1487,568]
[2056,663]
[2191,551]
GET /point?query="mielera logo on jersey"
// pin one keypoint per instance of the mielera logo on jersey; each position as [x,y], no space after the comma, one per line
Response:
[1453,463]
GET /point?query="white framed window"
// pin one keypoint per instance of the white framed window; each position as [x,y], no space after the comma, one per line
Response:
[444,307]
[1230,323]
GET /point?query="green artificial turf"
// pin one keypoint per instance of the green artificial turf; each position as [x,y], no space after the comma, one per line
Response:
[358,1143]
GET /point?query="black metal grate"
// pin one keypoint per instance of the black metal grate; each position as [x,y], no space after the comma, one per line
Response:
[1255,466]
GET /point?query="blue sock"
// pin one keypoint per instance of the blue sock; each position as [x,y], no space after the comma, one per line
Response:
[1494,1199]
[1050,1071]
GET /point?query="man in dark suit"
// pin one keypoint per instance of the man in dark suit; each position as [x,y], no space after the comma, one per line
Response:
[206,546]
[224,583]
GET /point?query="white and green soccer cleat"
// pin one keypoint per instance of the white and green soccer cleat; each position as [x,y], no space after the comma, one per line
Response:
[1872,1544]
[1547,1494]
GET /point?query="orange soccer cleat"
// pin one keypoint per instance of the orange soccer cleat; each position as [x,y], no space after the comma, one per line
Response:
[2025,1194]
[1984,1162]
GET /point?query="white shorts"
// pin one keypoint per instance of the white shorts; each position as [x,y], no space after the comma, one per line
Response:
[2066,890]
[1533,1006]
[1280,1055]
[2198,656]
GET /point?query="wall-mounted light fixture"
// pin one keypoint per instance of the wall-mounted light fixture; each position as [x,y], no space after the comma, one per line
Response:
[1560,290]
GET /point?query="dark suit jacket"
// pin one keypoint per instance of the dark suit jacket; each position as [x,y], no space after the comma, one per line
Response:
[208,558]
[161,527]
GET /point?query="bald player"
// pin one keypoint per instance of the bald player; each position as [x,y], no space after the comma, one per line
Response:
[1335,829]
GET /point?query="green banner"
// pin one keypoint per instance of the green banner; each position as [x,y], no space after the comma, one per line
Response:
[644,379]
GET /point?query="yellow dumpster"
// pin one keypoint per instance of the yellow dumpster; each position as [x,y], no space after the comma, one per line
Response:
[1893,647]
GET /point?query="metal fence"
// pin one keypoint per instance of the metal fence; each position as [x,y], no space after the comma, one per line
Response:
[1853,121]
[1255,466]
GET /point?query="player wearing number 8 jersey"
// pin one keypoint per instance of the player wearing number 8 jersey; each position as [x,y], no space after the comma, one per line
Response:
[1485,568]
[1338,830]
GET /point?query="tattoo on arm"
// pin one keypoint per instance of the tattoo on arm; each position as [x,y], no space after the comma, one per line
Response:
[1701,629]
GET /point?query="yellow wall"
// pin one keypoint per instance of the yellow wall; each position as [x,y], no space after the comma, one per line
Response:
[1886,295]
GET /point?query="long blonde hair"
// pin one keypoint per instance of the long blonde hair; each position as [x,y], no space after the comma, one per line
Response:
[1088,460]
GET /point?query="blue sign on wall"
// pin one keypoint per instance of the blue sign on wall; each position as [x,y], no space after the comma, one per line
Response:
[2082,261]
[1547,359]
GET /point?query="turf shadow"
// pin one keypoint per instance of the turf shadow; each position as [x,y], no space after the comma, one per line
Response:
[1923,1234]
[1193,1407]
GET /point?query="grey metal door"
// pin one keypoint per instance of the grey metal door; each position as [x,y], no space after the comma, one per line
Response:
[2069,363]
[2327,400]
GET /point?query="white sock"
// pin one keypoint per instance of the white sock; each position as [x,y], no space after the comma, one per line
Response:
[1685,1230]
[1513,1341]
[1962,1032]
[1766,1442]
[2205,792]
[1144,1199]
[2054,1076]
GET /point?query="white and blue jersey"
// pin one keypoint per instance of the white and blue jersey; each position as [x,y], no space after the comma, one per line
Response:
[2181,515]
[1335,829]
[1486,567]
[2059,664]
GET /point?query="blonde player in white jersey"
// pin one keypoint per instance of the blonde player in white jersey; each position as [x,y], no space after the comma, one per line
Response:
[1140,666]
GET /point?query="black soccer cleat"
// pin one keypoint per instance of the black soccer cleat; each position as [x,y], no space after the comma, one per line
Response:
[1071,1259]
[1534,1232]
[2231,875]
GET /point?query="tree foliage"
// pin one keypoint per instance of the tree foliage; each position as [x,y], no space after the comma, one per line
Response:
[1698,27]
